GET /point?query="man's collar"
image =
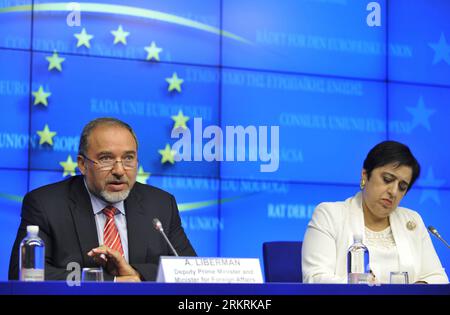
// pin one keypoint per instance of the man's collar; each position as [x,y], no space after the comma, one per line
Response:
[98,204]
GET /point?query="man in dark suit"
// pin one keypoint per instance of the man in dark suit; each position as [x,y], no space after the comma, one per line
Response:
[103,207]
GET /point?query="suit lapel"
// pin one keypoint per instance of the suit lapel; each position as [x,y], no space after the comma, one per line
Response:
[83,217]
[137,228]
[356,218]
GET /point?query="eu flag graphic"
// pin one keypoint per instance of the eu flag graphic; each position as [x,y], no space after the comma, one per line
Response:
[331,82]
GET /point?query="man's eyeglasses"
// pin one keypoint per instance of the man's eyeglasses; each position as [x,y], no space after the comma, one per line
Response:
[107,163]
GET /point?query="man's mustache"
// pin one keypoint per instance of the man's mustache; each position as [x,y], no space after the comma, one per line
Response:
[117,182]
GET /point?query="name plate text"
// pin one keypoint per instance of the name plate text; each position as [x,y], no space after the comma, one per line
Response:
[209,270]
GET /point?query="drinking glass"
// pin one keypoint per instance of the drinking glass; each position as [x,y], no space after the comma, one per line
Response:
[399,277]
[92,275]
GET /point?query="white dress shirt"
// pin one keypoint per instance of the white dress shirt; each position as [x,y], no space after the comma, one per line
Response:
[100,220]
[383,253]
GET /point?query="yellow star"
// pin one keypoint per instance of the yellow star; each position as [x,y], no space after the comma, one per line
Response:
[175,83]
[167,154]
[41,96]
[69,166]
[153,51]
[46,135]
[120,35]
[83,38]
[142,176]
[55,61]
[180,120]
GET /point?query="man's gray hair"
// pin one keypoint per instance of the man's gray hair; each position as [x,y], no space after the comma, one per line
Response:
[104,121]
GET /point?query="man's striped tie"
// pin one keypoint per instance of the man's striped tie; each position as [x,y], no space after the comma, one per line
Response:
[111,237]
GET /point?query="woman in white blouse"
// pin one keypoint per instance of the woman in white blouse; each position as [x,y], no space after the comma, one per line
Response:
[396,237]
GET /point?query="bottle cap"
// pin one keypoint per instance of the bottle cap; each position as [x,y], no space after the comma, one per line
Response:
[357,238]
[33,229]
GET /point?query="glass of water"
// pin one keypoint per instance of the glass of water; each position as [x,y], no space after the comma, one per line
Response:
[92,275]
[399,277]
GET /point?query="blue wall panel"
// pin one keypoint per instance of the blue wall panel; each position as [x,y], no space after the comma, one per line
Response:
[333,86]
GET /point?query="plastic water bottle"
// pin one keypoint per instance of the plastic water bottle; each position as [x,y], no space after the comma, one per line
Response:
[32,256]
[358,261]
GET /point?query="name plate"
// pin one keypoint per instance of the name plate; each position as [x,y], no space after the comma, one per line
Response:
[209,270]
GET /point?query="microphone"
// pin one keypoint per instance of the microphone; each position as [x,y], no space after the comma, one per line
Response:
[433,231]
[158,226]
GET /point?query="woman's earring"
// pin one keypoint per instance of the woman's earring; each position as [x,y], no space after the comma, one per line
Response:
[362,183]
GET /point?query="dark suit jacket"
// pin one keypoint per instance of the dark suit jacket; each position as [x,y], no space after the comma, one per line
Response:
[64,214]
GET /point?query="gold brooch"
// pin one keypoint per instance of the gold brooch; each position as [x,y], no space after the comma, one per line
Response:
[411,225]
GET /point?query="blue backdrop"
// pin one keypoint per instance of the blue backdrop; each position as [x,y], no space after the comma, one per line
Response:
[334,85]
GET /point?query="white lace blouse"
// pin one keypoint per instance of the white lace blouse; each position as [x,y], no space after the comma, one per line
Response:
[383,254]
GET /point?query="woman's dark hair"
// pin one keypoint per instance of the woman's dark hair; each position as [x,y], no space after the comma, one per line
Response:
[391,152]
